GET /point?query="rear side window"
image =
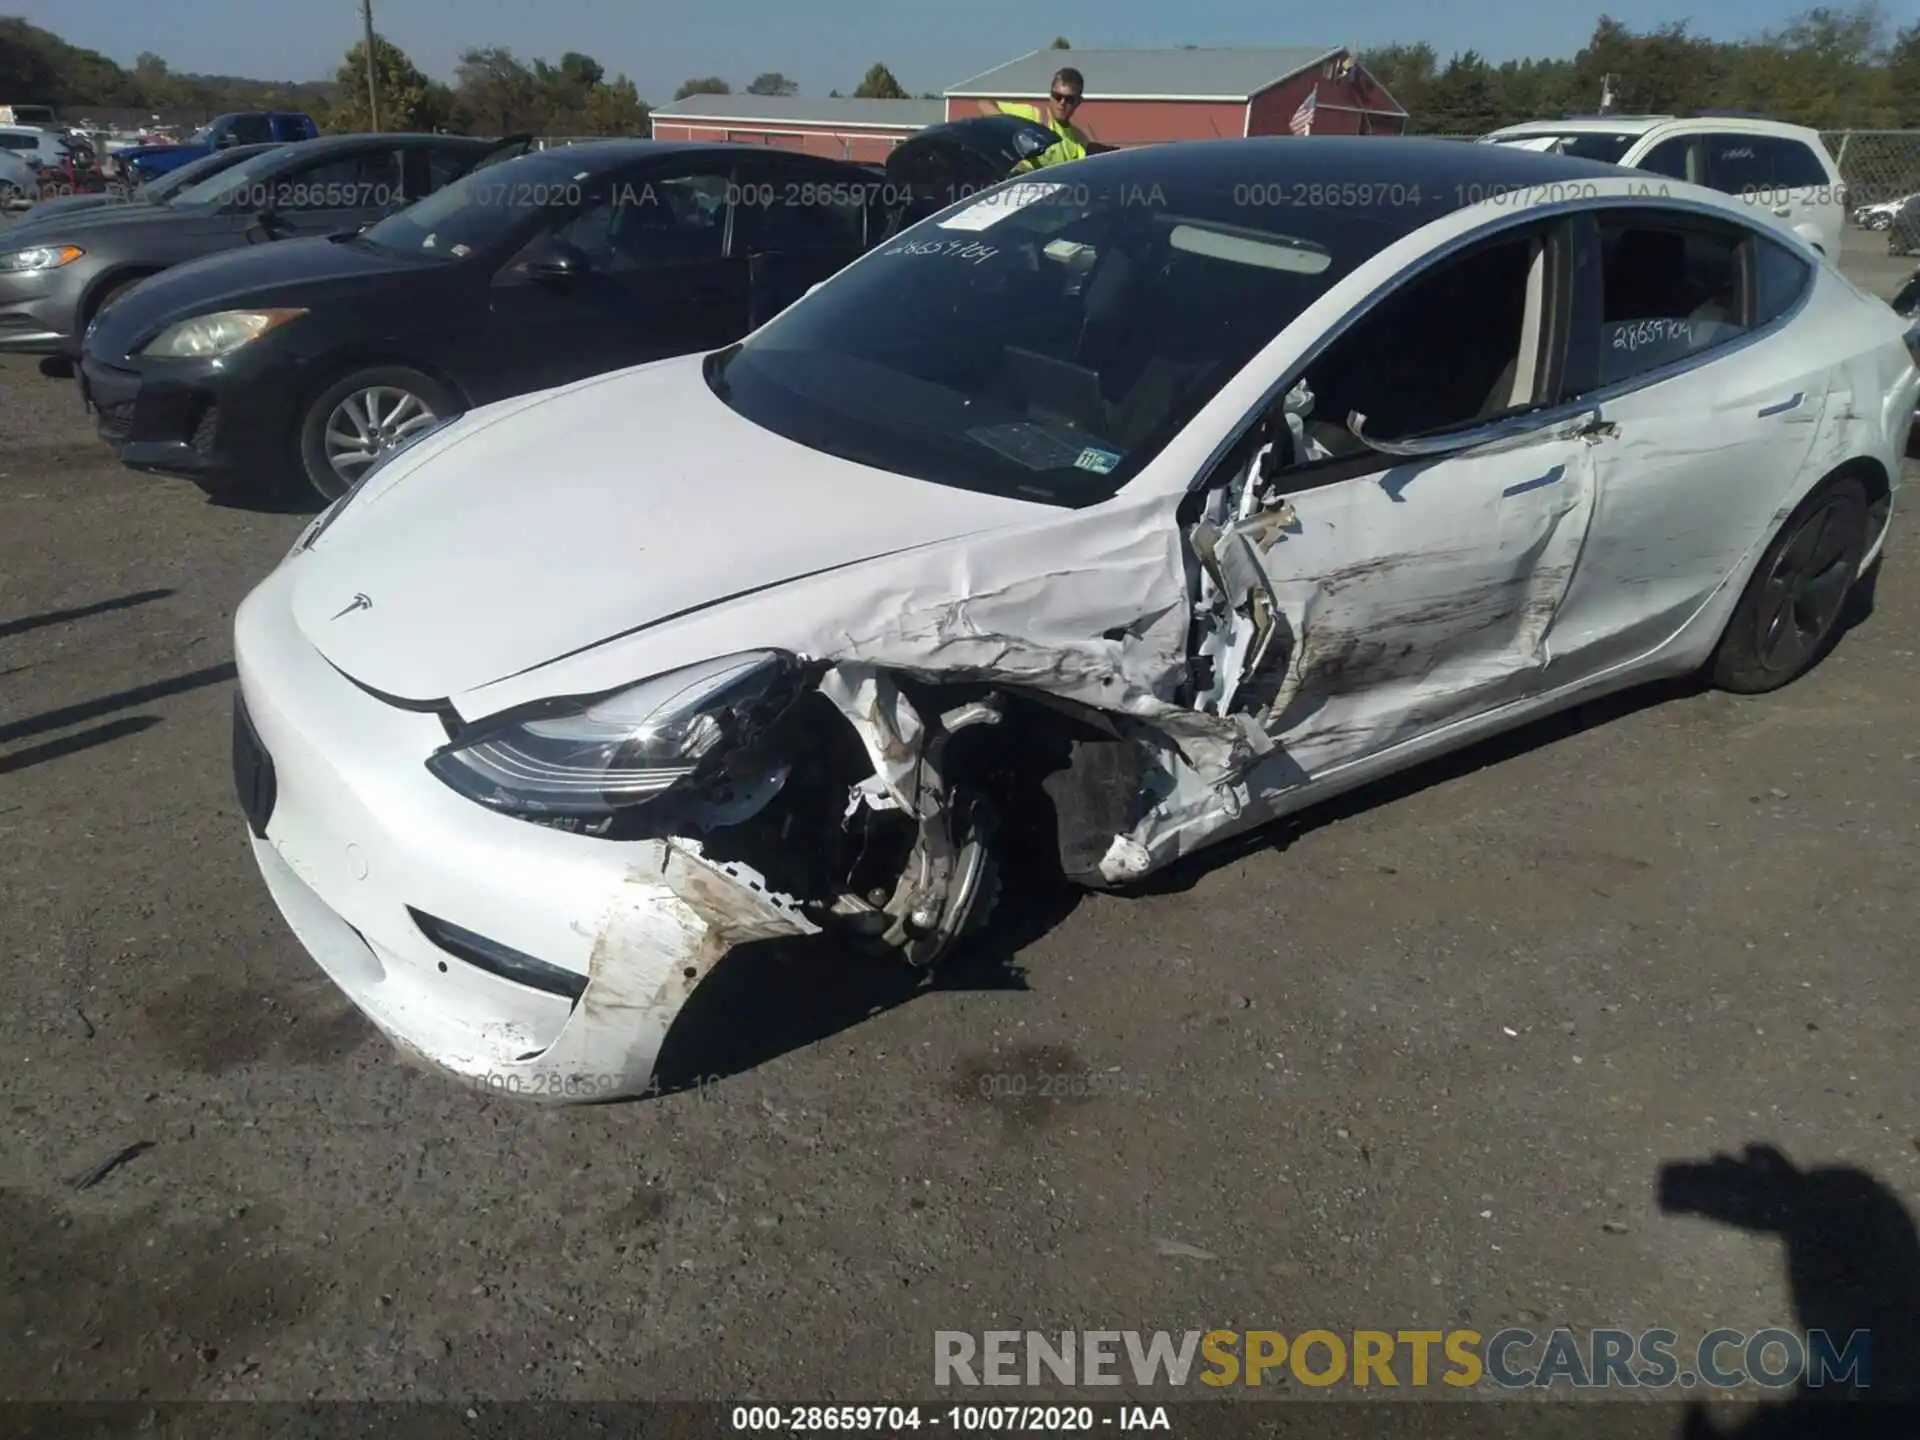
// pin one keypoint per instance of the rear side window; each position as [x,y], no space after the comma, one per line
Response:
[1757,164]
[1669,289]
[446,166]
[788,209]
[351,182]
[1780,278]
[251,130]
[1795,164]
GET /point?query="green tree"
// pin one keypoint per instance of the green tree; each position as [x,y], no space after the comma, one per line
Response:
[37,66]
[499,94]
[703,85]
[614,108]
[1406,71]
[407,98]
[772,82]
[879,84]
[1461,100]
[1825,64]
[563,88]
[1903,76]
[1060,43]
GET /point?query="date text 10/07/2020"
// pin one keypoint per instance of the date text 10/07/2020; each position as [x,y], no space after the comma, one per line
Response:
[1357,195]
[962,1419]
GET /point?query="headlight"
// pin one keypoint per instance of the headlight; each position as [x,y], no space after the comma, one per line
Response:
[207,337]
[386,457]
[39,257]
[591,756]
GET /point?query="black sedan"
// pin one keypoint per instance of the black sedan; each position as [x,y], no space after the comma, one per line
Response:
[55,277]
[305,362]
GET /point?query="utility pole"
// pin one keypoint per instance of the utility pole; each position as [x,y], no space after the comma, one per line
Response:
[373,90]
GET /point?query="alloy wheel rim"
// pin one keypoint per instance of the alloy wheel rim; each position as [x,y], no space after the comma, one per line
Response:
[1806,588]
[368,423]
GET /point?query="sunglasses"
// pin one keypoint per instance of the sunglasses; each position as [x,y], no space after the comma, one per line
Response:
[1070,101]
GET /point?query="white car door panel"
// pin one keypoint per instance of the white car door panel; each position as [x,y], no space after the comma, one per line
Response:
[1690,471]
[1414,595]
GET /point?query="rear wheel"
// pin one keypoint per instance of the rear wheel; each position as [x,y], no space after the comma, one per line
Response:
[1788,615]
[359,417]
[12,197]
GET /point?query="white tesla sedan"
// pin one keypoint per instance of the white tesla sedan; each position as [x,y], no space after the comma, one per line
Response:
[1177,490]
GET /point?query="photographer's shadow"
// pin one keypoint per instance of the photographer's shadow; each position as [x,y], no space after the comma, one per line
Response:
[1853,1264]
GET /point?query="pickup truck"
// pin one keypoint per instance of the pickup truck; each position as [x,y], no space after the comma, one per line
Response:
[138,164]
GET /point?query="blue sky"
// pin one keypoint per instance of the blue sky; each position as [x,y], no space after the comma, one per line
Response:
[822,44]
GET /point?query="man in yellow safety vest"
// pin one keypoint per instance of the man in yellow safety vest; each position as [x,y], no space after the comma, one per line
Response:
[1062,100]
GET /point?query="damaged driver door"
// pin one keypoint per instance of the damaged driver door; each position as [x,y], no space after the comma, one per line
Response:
[1357,592]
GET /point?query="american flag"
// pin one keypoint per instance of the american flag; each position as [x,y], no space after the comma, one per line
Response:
[1302,122]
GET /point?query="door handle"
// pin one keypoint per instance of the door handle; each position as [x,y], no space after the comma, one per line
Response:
[1792,402]
[1783,211]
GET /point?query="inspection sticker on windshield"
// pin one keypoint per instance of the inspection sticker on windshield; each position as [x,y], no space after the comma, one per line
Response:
[1101,462]
[995,206]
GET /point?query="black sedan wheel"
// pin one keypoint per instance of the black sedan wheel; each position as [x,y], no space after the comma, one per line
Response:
[356,420]
[1787,617]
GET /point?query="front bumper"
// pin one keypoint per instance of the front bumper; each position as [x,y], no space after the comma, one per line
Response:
[36,314]
[218,423]
[356,840]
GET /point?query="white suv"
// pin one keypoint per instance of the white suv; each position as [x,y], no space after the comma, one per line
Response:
[1782,169]
[34,145]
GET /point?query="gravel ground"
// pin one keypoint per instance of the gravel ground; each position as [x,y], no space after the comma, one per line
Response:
[1414,1061]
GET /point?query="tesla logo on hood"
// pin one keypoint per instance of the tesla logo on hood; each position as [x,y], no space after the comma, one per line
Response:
[359,602]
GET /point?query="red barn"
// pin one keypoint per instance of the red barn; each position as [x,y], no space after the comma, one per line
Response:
[860,130]
[1138,97]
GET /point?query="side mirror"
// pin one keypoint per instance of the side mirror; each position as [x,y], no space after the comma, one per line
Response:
[1029,143]
[266,226]
[226,141]
[554,261]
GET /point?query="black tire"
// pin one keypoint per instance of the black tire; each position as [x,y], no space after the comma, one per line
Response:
[318,466]
[1788,616]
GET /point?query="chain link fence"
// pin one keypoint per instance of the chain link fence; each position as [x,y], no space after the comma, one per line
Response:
[1878,165]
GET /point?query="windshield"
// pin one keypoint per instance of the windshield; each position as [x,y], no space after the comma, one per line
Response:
[1604,146]
[1047,339]
[483,207]
[231,183]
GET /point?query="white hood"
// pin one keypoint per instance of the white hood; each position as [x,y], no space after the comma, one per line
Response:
[544,526]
